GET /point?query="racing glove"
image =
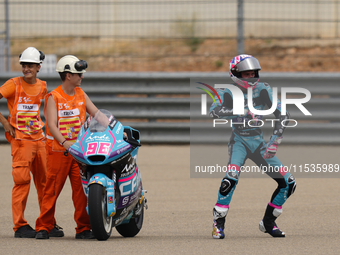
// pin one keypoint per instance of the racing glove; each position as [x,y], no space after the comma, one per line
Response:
[271,146]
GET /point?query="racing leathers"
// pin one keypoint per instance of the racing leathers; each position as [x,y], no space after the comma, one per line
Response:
[247,142]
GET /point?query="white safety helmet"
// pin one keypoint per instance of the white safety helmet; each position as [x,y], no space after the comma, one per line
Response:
[242,63]
[31,55]
[71,64]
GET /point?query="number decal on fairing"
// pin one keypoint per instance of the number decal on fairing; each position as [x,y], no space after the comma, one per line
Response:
[92,148]
[104,148]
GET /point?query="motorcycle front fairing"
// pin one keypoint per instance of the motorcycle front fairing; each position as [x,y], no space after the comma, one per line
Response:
[98,147]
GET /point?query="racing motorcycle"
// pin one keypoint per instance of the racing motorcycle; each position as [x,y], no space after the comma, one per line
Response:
[107,157]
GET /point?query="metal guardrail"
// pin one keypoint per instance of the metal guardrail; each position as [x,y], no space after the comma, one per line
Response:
[158,104]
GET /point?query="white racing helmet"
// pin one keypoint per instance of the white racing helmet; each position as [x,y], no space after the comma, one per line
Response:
[242,63]
[72,64]
[31,55]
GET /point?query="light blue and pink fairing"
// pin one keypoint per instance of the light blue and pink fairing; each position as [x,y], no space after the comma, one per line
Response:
[109,145]
[97,146]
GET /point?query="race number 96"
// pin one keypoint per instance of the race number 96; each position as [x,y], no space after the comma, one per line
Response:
[97,148]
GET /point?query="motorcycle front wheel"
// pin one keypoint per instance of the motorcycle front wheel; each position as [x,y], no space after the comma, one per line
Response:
[133,227]
[101,224]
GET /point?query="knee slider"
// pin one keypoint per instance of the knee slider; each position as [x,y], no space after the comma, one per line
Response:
[228,182]
[291,185]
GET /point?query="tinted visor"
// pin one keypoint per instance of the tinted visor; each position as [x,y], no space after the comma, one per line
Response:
[248,64]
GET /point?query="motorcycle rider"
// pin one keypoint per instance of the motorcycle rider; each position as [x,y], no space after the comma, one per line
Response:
[247,142]
[65,112]
[23,130]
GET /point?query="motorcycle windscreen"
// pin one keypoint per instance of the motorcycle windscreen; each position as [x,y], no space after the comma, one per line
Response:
[99,124]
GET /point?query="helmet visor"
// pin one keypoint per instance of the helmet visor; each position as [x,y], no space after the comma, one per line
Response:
[248,64]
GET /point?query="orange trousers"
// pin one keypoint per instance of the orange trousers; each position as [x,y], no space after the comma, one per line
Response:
[28,156]
[59,167]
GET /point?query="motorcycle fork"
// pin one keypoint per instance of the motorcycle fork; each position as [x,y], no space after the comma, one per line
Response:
[110,196]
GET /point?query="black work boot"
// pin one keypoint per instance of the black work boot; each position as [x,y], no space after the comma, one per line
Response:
[42,234]
[86,234]
[25,232]
[268,225]
[57,231]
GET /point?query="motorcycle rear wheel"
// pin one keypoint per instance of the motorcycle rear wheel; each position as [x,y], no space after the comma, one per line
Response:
[101,224]
[133,227]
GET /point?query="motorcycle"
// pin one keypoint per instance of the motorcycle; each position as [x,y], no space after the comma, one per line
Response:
[111,179]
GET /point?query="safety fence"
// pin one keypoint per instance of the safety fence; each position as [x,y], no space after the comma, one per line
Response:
[158,104]
[171,35]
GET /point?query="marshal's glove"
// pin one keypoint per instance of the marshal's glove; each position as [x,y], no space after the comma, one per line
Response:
[271,146]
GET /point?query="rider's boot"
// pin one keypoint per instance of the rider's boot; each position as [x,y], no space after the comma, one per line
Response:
[268,225]
[219,221]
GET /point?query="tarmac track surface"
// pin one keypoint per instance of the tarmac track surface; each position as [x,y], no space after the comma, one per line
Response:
[179,218]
